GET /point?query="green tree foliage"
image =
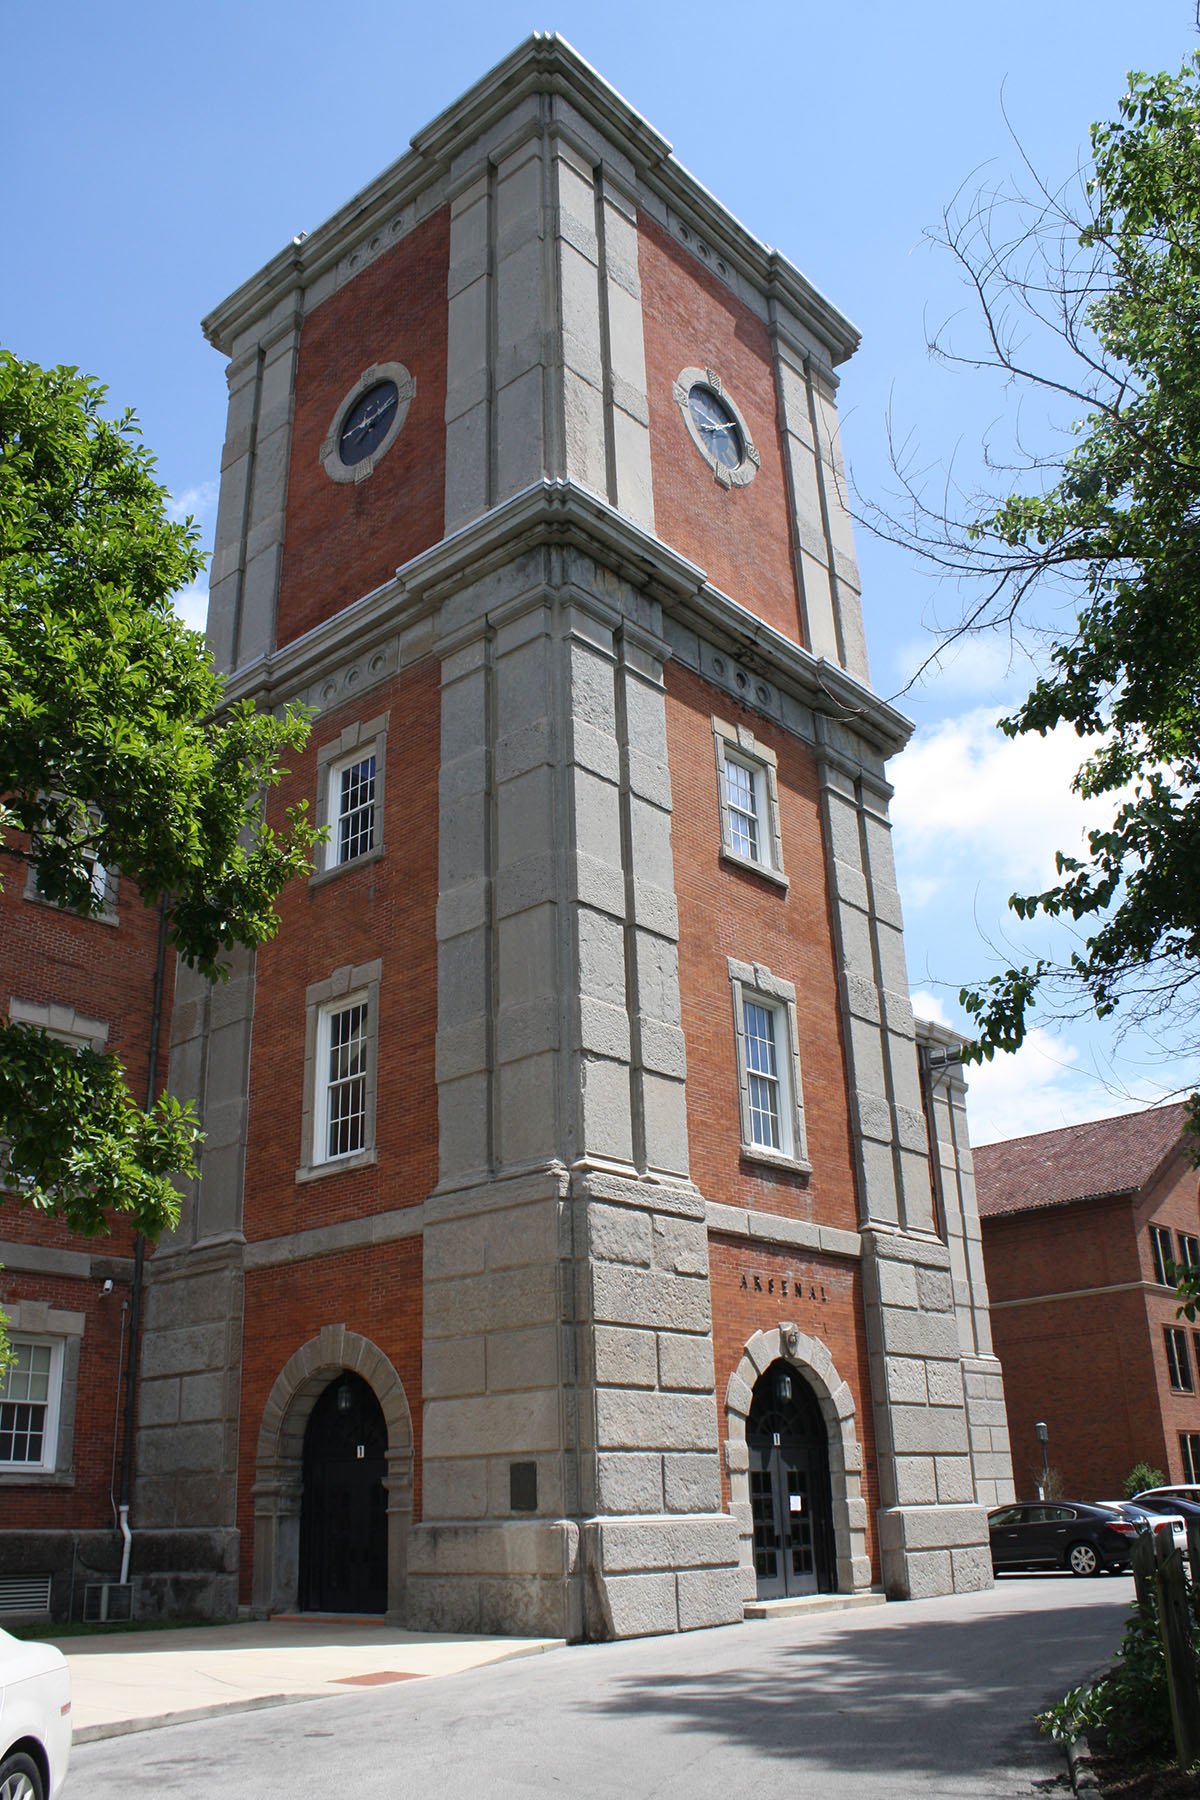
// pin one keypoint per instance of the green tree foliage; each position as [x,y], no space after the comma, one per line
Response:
[114,744]
[1143,1475]
[1110,268]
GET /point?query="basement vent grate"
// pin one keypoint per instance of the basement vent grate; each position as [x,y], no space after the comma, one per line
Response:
[106,1601]
[25,1594]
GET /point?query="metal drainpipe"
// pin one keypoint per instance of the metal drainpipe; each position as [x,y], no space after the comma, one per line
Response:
[139,1256]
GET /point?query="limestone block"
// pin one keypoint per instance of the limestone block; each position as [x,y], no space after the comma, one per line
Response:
[528,1110]
[905,1377]
[453,1248]
[499,1547]
[520,427]
[505,1299]
[196,1349]
[493,1424]
[664,1122]
[605,1118]
[521,1235]
[202,1397]
[929,1573]
[693,1541]
[897,1283]
[518,1360]
[630,1419]
[945,1383]
[916,1481]
[600,950]
[629,1483]
[680,1246]
[620,1234]
[709,1597]
[955,1481]
[931,1335]
[685,1362]
[455,1489]
[624,1296]
[182,1450]
[934,1290]
[923,1430]
[196,1299]
[737,1456]
[158,1403]
[738,1396]
[636,1605]
[931,1527]
[624,1357]
[453,1366]
[972,1570]
[691,1483]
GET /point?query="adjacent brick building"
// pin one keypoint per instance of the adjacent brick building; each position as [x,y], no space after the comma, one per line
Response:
[1079,1227]
[585,1240]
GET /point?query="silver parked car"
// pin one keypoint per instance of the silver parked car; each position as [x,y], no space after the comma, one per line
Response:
[1146,1519]
[35,1720]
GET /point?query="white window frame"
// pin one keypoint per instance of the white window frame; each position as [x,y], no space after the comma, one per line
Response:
[48,1462]
[355,744]
[738,745]
[1179,1359]
[104,885]
[326,1000]
[1162,1252]
[753,983]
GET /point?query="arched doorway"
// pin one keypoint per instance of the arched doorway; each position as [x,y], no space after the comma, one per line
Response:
[343,1508]
[790,1495]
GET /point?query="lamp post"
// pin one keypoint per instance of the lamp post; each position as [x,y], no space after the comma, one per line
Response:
[1043,1438]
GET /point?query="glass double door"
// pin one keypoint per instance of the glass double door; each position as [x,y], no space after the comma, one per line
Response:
[790,1494]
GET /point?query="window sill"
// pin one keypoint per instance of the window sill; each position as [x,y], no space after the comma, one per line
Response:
[12,1475]
[752,867]
[776,1159]
[109,916]
[319,877]
[337,1165]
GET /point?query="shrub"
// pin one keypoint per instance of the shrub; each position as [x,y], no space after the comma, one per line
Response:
[1143,1475]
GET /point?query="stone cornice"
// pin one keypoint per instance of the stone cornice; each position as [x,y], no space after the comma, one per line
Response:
[558,513]
[544,64]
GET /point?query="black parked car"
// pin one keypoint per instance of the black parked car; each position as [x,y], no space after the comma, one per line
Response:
[1060,1534]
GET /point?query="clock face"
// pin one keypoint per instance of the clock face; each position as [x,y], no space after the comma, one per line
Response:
[718,429]
[368,422]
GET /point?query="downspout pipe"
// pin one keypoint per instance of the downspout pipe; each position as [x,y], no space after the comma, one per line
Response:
[139,1258]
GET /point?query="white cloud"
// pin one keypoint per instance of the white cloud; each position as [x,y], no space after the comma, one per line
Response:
[192,606]
[971,802]
[932,1008]
[199,502]
[969,666]
[1042,1087]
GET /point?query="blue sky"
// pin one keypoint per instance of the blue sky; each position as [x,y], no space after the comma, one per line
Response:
[159,155]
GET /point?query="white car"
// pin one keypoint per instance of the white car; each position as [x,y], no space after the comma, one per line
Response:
[1139,1515]
[35,1720]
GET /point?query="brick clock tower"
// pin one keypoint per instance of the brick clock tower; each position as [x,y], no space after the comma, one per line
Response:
[569,1256]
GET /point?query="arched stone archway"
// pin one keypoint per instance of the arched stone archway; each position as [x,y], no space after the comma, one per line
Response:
[811,1358]
[278,1478]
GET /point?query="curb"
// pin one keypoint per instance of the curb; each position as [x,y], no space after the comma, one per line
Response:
[1079,1765]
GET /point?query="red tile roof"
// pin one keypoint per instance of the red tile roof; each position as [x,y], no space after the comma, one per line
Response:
[1109,1156]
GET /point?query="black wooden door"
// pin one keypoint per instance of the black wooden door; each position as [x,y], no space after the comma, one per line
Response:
[790,1495]
[343,1517]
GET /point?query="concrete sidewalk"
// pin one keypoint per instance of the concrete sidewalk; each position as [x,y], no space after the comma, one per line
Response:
[133,1681]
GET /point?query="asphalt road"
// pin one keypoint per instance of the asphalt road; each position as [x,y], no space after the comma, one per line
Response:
[932,1699]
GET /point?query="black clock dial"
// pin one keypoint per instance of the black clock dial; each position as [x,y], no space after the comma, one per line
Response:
[719,430]
[368,422]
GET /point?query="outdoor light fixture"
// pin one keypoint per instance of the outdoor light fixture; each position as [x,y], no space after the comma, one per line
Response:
[783,1387]
[345,1399]
[1042,1432]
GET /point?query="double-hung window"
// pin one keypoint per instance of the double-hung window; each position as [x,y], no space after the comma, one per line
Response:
[1179,1365]
[338,1128]
[350,795]
[30,1390]
[1163,1253]
[748,795]
[768,1065]
[1189,1252]
[1189,1445]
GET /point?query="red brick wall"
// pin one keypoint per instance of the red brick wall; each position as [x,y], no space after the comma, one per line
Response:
[374,1291]
[84,1506]
[344,539]
[725,910]
[1091,1364]
[106,972]
[835,1316]
[740,536]
[387,909]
